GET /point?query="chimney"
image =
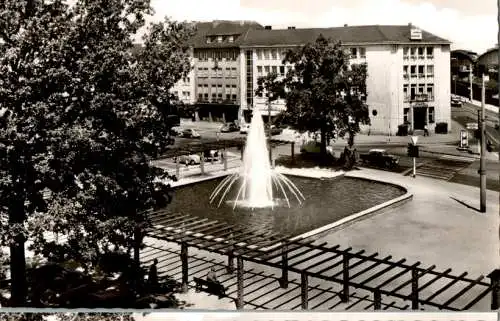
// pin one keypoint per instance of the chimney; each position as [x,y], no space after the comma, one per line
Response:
[345,25]
[291,28]
[268,27]
[409,24]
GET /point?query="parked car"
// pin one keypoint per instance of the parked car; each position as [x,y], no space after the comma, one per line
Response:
[456,102]
[276,130]
[314,147]
[379,157]
[192,159]
[175,131]
[190,133]
[229,127]
[210,155]
[244,129]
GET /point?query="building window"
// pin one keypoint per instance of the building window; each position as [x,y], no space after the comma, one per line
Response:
[234,86]
[205,85]
[259,71]
[421,89]
[430,52]
[200,85]
[413,53]
[200,96]
[406,111]
[209,40]
[354,52]
[230,39]
[214,96]
[405,92]
[362,52]
[413,91]
[228,86]
[274,54]
[275,69]
[430,92]
[214,85]
[430,70]
[266,54]
[421,72]
[282,70]
[206,96]
[405,72]
[234,97]
[266,69]
[405,52]
[228,96]
[421,52]
[219,85]
[413,71]
[259,54]
[219,39]
[431,115]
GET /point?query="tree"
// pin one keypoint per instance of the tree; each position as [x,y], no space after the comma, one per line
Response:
[323,92]
[82,118]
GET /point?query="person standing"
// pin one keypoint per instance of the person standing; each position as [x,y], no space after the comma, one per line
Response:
[426,130]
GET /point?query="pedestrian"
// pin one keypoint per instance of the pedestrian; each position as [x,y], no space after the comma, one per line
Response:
[153,274]
[426,130]
[212,275]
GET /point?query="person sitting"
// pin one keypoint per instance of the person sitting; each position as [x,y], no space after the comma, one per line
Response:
[153,274]
[212,275]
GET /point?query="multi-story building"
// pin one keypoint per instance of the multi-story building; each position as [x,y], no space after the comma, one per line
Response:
[408,71]
[217,68]
[184,88]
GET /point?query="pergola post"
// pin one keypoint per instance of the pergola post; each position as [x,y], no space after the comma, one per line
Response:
[293,152]
[284,266]
[414,289]
[202,163]
[239,276]
[345,277]
[377,299]
[304,287]
[184,263]
[177,169]
[224,156]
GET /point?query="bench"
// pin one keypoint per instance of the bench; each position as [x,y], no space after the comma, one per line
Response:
[210,287]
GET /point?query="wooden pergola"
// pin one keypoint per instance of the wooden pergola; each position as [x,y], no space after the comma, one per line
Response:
[374,275]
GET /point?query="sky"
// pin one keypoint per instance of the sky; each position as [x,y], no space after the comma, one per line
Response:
[468,24]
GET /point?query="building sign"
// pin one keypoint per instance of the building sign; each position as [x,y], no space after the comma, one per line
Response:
[472,126]
[415,34]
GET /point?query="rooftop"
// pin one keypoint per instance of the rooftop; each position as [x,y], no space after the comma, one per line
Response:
[347,34]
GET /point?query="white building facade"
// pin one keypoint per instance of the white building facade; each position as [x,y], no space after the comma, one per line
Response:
[408,72]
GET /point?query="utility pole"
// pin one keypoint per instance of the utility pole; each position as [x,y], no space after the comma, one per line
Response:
[470,82]
[269,126]
[482,166]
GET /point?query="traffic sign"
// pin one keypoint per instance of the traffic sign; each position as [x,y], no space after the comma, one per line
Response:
[414,140]
[472,126]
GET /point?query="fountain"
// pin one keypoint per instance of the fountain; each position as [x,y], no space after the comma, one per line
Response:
[256,178]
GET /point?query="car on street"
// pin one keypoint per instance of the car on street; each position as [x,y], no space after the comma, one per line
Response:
[380,158]
[175,131]
[314,147]
[211,155]
[276,130]
[244,128]
[190,133]
[229,127]
[456,102]
[192,159]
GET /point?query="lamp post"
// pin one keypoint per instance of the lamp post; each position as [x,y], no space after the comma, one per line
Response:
[482,164]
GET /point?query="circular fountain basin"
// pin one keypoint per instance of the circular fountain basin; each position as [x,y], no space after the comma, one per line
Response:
[326,201]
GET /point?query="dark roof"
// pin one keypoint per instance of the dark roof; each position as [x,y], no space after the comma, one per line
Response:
[348,34]
[463,54]
[222,28]
[489,51]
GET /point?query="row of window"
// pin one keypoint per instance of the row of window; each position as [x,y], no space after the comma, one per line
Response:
[185,94]
[418,70]
[430,115]
[264,70]
[418,52]
[218,96]
[216,85]
[218,54]
[358,52]
[410,92]
[220,38]
[216,69]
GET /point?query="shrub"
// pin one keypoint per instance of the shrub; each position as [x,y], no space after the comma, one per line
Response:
[441,128]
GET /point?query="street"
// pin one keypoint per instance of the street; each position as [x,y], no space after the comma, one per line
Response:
[468,114]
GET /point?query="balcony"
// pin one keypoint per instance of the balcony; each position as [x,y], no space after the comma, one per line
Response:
[421,75]
[419,98]
[430,56]
[413,57]
[406,57]
[421,56]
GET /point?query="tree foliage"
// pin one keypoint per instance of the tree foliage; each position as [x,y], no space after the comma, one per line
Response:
[324,92]
[82,116]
